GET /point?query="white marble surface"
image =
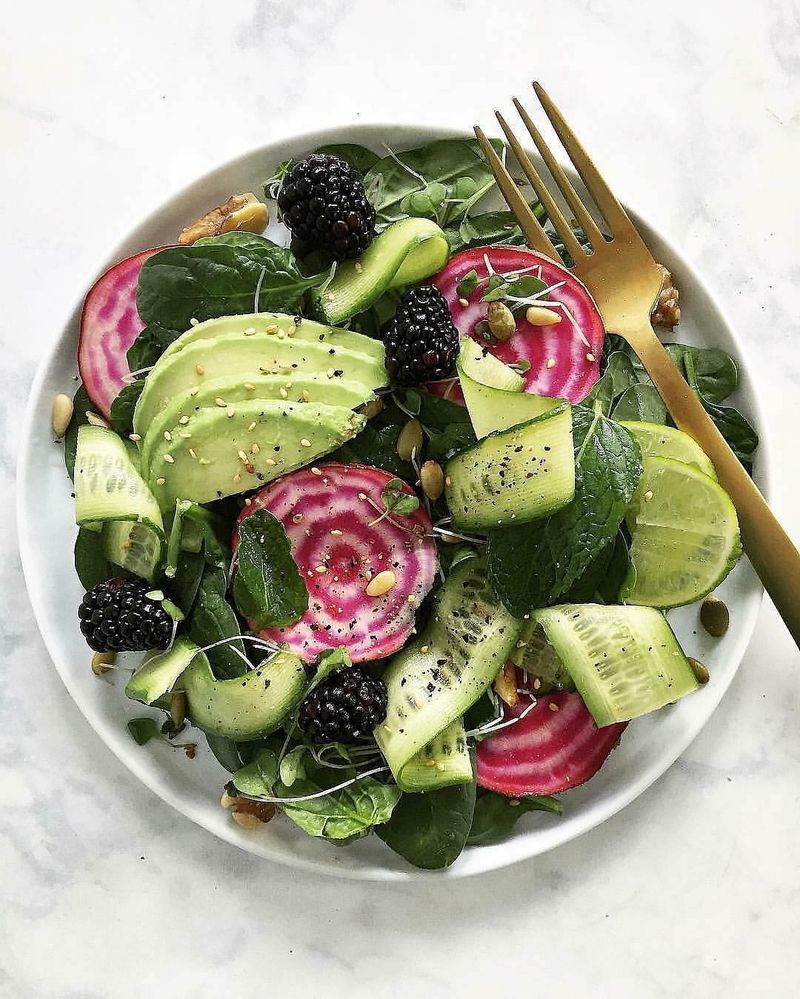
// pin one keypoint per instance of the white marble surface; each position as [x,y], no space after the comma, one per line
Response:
[694,112]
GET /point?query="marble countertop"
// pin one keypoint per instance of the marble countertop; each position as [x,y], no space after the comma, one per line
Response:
[693,890]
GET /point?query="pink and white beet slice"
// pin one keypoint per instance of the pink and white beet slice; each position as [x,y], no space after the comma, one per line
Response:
[555,747]
[564,358]
[109,324]
[331,517]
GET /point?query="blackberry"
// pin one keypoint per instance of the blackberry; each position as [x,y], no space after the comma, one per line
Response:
[421,342]
[118,616]
[324,204]
[346,706]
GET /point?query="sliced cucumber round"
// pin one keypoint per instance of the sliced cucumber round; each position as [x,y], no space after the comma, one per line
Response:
[248,706]
[433,681]
[685,535]
[536,657]
[406,252]
[133,546]
[515,475]
[625,661]
[657,441]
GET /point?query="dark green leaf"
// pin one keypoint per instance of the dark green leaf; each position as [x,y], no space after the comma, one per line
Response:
[91,564]
[495,815]
[495,289]
[430,830]
[268,588]
[357,156]
[229,754]
[149,345]
[484,230]
[81,403]
[640,402]
[143,730]
[395,499]
[619,375]
[329,662]
[467,284]
[218,277]
[446,424]
[184,585]
[446,161]
[123,406]
[259,776]
[376,444]
[212,620]
[616,572]
[739,434]
[531,565]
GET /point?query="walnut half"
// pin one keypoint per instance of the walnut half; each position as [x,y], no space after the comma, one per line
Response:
[241,212]
[667,311]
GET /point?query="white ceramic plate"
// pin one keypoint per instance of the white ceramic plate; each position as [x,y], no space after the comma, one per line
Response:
[46,531]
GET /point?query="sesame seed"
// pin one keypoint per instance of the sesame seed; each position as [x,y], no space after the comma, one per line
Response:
[331,372]
[254,448]
[281,334]
[205,461]
[315,470]
[463,302]
[160,481]
[134,437]
[252,426]
[183,420]
[247,501]
[272,328]
[250,331]
[411,598]
[167,435]
[230,410]
[169,459]
[194,322]
[321,569]
[284,394]
[242,456]
[184,436]
[336,533]
[590,356]
[424,648]
[553,706]
[537,683]
[306,396]
[551,362]
[448,481]
[237,477]
[305,442]
[192,452]
[199,369]
[362,496]
[249,386]
[220,402]
[270,461]
[648,495]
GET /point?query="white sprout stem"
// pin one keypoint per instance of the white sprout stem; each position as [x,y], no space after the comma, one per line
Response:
[133,376]
[258,289]
[469,538]
[537,295]
[493,727]
[405,166]
[317,794]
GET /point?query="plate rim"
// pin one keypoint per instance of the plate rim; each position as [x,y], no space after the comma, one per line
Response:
[309,138]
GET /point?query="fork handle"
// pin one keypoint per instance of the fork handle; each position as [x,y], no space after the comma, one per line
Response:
[772,553]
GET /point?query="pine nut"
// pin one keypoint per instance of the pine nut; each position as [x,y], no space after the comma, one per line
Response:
[96,421]
[538,315]
[381,583]
[62,414]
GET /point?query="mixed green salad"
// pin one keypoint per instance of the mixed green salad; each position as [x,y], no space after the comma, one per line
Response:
[392,516]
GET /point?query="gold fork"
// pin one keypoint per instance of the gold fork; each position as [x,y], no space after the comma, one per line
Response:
[625,280]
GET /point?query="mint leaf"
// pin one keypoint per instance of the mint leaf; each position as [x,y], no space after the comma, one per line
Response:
[268,588]
[531,565]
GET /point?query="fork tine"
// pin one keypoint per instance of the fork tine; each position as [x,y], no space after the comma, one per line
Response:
[554,213]
[534,233]
[585,220]
[612,210]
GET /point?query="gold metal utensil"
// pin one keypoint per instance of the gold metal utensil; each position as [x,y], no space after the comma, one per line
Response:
[625,280]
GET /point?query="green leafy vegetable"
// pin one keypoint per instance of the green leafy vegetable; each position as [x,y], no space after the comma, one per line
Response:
[143,730]
[357,156]
[81,403]
[328,663]
[91,564]
[446,424]
[123,406]
[292,766]
[218,276]
[230,755]
[457,166]
[430,830]
[467,284]
[186,581]
[532,565]
[376,444]
[495,815]
[259,776]
[484,230]
[396,500]
[640,402]
[268,588]
[212,620]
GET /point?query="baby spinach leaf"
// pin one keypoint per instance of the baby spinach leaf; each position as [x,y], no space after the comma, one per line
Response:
[91,564]
[376,444]
[143,730]
[123,406]
[357,156]
[446,424]
[467,284]
[215,277]
[185,583]
[495,815]
[430,830]
[292,767]
[81,403]
[213,619]
[268,588]
[616,572]
[484,230]
[532,565]
[452,163]
[259,776]
[640,402]
[149,345]
[230,755]
[328,663]
[619,375]
[395,499]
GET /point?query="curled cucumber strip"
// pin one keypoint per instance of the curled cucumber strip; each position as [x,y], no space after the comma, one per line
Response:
[404,253]
[443,762]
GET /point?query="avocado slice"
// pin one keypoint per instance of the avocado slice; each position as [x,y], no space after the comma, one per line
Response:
[279,324]
[248,706]
[157,675]
[236,355]
[261,440]
[176,417]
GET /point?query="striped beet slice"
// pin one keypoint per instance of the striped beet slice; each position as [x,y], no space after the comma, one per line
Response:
[564,358]
[329,516]
[548,751]
[109,324]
